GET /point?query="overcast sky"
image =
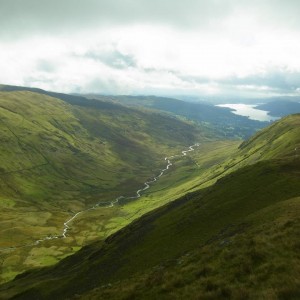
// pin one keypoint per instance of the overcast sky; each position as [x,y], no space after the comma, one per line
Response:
[163,47]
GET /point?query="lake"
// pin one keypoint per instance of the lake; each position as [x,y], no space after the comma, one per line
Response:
[249,110]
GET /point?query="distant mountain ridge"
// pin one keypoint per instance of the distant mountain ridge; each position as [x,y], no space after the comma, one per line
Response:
[280,108]
[222,119]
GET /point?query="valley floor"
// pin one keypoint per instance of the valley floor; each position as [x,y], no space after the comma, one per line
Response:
[103,221]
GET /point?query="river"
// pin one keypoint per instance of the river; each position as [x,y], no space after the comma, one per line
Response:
[136,195]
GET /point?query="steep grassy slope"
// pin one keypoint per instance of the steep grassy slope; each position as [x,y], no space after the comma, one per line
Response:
[248,262]
[221,158]
[58,158]
[236,238]
[281,139]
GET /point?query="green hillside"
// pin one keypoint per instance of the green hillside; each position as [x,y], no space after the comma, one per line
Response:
[62,156]
[214,160]
[235,239]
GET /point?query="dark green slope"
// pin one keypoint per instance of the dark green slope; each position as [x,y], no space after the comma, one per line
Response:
[257,260]
[235,239]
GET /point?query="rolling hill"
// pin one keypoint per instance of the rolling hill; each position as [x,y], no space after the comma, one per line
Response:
[236,238]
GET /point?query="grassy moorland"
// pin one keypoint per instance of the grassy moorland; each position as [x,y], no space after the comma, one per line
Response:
[236,238]
[58,158]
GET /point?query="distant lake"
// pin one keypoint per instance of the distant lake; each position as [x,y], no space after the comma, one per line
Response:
[250,111]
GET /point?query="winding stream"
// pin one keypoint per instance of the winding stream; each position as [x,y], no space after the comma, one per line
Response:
[112,203]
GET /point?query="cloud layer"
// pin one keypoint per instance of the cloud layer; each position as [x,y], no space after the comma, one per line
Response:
[160,47]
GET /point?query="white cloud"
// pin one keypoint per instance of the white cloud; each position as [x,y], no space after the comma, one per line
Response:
[244,49]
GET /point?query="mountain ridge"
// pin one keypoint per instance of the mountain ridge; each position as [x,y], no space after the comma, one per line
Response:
[221,120]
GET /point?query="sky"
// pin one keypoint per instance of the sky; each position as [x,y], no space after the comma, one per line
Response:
[159,47]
